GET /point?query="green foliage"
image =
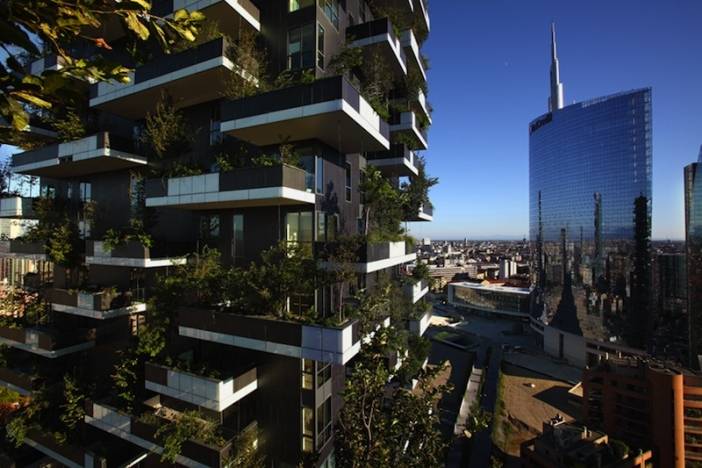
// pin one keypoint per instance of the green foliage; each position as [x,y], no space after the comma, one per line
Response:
[416,193]
[383,207]
[56,231]
[72,408]
[188,425]
[619,449]
[70,127]
[135,232]
[251,57]
[61,26]
[478,420]
[125,380]
[166,131]
[420,272]
[16,430]
[346,60]
[248,454]
[7,396]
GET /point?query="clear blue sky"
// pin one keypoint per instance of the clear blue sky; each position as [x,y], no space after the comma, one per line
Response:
[489,78]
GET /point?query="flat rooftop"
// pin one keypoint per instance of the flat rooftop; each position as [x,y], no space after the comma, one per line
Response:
[493,287]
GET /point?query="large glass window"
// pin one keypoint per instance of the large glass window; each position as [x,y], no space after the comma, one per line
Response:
[238,238]
[307,374]
[86,191]
[294,5]
[320,46]
[327,225]
[301,47]
[215,133]
[324,423]
[299,227]
[323,373]
[331,10]
[209,227]
[319,174]
[307,429]
[348,182]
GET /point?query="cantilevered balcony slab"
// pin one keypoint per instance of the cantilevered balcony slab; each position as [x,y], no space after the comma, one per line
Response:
[134,255]
[412,52]
[416,290]
[399,161]
[20,381]
[425,214]
[422,14]
[210,393]
[330,110]
[377,38]
[336,345]
[100,305]
[371,257]
[16,207]
[191,77]
[36,130]
[407,124]
[15,248]
[48,342]
[247,187]
[421,106]
[101,152]
[418,325]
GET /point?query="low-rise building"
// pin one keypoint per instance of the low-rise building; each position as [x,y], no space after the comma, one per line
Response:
[490,297]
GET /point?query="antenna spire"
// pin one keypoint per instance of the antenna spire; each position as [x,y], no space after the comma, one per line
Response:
[555,102]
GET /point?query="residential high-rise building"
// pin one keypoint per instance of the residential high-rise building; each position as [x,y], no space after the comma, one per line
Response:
[250,168]
[647,404]
[590,214]
[693,250]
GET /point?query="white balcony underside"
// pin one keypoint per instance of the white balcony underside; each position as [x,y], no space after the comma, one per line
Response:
[98,160]
[46,353]
[135,262]
[100,314]
[403,165]
[212,404]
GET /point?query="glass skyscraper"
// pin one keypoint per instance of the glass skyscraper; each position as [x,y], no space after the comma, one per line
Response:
[693,246]
[590,214]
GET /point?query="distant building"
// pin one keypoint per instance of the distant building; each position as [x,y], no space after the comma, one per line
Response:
[670,334]
[426,241]
[490,298]
[590,213]
[571,444]
[508,268]
[647,404]
[693,246]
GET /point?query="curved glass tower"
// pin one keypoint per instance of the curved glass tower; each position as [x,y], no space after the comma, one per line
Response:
[590,215]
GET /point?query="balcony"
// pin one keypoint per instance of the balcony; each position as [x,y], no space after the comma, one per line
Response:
[247,187]
[421,106]
[416,290]
[134,255]
[210,393]
[426,214]
[377,37]
[20,381]
[46,341]
[412,52]
[102,305]
[36,129]
[336,345]
[371,257]
[69,456]
[419,325]
[407,124]
[422,14]
[330,110]
[399,161]
[16,207]
[205,68]
[101,152]
[141,431]
[50,62]
[231,15]
[16,248]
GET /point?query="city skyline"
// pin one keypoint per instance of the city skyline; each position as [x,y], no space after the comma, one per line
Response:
[481,156]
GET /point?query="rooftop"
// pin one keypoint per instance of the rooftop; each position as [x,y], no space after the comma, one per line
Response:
[489,286]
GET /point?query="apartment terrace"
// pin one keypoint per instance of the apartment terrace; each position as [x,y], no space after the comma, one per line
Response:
[68,455]
[416,290]
[101,304]
[134,255]
[16,248]
[399,160]
[246,187]
[422,13]
[333,344]
[141,431]
[48,341]
[372,257]
[330,110]
[215,394]
[426,213]
[419,324]
[377,37]
[407,124]
[205,68]
[19,380]
[412,52]
[16,207]
[101,152]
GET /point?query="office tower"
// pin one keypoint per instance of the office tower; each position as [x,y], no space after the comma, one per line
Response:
[590,214]
[670,323]
[252,190]
[693,250]
[508,268]
[648,405]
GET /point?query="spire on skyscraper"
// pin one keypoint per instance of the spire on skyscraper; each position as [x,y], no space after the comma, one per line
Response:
[555,102]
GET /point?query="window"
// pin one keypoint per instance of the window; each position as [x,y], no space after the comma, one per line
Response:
[319,174]
[307,429]
[331,10]
[48,191]
[301,45]
[299,227]
[327,225]
[324,423]
[215,133]
[209,227]
[320,46]
[323,374]
[136,193]
[362,10]
[307,374]
[238,238]
[348,182]
[85,190]
[294,5]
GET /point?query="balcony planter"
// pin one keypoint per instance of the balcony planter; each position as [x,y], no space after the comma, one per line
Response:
[371,256]
[48,342]
[97,153]
[418,325]
[103,304]
[414,56]
[213,394]
[377,38]
[254,186]
[17,248]
[416,290]
[16,207]
[322,110]
[134,254]
[398,161]
[322,343]
[44,442]
[407,124]
[23,383]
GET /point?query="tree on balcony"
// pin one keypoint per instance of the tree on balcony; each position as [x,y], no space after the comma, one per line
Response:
[417,190]
[382,207]
[61,27]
